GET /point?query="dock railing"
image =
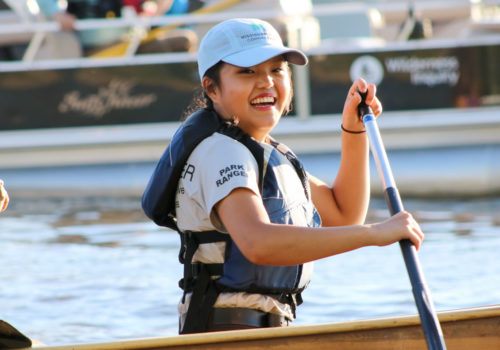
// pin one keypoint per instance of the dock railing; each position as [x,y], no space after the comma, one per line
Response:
[483,15]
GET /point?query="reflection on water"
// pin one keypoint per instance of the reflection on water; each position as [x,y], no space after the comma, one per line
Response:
[93,270]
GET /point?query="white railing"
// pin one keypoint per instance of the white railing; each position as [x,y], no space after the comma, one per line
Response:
[140,25]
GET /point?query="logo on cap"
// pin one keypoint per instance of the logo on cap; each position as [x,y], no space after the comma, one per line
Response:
[258,27]
[260,32]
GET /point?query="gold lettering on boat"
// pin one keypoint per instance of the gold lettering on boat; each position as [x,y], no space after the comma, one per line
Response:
[117,95]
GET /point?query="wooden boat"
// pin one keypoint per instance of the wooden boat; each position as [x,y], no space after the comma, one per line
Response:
[465,329]
[98,125]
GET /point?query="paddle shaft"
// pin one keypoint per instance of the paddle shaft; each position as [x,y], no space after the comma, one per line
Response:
[425,306]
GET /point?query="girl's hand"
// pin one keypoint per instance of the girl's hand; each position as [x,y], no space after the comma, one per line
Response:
[4,197]
[398,227]
[350,117]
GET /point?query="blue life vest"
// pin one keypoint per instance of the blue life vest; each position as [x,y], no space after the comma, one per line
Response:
[241,274]
[237,273]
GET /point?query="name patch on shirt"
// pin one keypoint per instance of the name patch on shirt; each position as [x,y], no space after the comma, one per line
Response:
[188,172]
[229,172]
[180,190]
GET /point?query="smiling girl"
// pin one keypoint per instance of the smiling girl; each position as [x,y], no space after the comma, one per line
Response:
[251,219]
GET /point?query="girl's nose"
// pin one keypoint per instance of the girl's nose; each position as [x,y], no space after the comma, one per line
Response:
[265,80]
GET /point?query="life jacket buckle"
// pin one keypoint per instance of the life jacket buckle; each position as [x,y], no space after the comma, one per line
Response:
[196,269]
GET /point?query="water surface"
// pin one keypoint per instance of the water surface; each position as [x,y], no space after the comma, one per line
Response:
[96,269]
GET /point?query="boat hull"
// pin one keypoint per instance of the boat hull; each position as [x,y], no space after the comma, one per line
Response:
[466,329]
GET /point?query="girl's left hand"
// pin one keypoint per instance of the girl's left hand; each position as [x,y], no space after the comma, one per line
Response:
[350,117]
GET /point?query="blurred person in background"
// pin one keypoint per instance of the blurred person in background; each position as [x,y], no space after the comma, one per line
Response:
[91,40]
[4,197]
[95,40]
[169,39]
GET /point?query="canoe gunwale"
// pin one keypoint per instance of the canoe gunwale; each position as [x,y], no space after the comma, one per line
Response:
[288,332]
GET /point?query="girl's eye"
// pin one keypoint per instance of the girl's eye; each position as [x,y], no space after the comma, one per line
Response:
[246,71]
[281,68]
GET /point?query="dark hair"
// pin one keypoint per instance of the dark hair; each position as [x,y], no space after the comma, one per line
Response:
[200,99]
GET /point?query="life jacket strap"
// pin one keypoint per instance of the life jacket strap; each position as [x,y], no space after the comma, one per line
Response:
[198,279]
[189,244]
[204,295]
[293,300]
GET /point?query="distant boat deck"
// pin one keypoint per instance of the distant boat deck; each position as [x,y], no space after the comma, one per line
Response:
[97,126]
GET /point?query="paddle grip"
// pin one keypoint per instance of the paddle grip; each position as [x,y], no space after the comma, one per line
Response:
[363,108]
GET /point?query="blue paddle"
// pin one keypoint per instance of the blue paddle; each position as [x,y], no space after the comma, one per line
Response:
[425,305]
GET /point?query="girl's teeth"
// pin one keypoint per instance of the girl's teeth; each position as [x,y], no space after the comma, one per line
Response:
[263,100]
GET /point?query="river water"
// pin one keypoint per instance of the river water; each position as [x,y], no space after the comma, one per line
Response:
[96,269]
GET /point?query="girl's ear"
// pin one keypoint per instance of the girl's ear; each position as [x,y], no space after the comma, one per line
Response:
[209,87]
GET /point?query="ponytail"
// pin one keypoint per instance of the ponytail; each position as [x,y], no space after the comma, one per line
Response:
[200,99]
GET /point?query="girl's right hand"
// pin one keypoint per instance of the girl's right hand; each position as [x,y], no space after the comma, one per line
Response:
[398,227]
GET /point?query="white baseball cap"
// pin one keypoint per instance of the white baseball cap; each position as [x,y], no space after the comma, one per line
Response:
[243,42]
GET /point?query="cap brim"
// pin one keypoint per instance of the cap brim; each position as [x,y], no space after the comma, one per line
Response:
[257,55]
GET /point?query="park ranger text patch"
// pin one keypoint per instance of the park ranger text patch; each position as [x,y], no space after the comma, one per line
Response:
[227,173]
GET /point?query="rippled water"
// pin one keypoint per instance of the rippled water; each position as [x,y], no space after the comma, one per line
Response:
[94,270]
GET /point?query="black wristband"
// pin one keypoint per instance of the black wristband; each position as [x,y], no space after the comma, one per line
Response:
[350,131]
